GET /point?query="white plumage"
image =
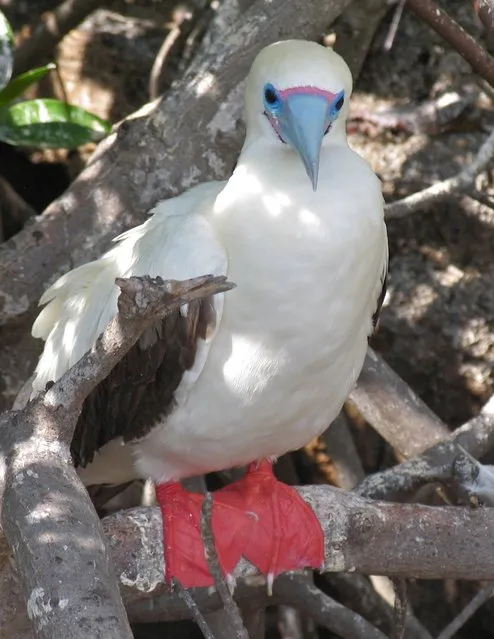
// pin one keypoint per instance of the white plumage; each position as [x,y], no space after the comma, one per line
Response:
[289,341]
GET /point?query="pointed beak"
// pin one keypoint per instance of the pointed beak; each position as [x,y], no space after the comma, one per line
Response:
[303,124]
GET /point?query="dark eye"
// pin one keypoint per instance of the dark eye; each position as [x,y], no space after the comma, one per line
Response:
[339,103]
[271,97]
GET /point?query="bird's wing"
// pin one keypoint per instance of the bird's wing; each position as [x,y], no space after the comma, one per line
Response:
[381,286]
[177,242]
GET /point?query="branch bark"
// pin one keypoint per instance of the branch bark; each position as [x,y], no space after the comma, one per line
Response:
[394,410]
[442,190]
[405,540]
[461,41]
[476,437]
[48,518]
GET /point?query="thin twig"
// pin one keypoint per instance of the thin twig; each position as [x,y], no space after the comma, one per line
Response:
[400,608]
[468,611]
[461,41]
[358,592]
[440,191]
[299,591]
[195,613]
[393,27]
[50,30]
[229,604]
[182,17]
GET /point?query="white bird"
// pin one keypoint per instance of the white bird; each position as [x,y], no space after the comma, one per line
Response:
[249,375]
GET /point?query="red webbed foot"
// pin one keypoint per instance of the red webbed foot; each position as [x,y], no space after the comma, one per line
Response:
[284,532]
[258,517]
[185,558]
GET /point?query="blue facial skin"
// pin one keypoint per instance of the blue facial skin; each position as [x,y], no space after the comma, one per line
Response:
[302,119]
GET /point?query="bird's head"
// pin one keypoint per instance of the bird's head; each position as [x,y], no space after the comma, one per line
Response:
[297,96]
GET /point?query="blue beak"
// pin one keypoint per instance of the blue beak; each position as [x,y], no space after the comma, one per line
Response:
[302,124]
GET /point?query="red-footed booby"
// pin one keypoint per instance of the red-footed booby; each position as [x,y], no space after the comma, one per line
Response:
[241,378]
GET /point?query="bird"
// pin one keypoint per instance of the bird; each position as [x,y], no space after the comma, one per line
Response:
[239,378]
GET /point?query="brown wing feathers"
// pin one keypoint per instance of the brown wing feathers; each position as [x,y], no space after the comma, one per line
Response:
[140,389]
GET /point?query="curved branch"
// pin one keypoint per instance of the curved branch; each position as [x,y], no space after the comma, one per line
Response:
[461,41]
[47,515]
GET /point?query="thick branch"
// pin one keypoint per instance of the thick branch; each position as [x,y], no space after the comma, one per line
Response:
[461,41]
[48,518]
[407,540]
[394,410]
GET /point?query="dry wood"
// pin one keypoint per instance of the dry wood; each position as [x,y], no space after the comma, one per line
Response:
[478,58]
[48,518]
[442,190]
[476,437]
[394,410]
[358,592]
[468,611]
[299,591]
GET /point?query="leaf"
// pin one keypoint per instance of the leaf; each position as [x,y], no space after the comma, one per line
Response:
[21,83]
[51,124]
[6,50]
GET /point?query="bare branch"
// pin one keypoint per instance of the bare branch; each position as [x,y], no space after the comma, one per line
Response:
[355,30]
[485,10]
[401,540]
[442,190]
[436,464]
[394,410]
[400,609]
[357,591]
[50,30]
[195,613]
[299,591]
[48,518]
[461,41]
[468,611]
[212,558]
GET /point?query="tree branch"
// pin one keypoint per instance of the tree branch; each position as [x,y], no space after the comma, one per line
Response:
[442,190]
[461,41]
[394,410]
[48,518]
[300,592]
[436,464]
[356,590]
[405,540]
[468,611]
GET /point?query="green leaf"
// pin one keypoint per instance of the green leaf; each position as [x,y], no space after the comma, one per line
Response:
[6,50]
[50,123]
[21,83]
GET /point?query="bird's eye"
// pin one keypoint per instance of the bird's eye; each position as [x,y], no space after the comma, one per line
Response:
[271,96]
[338,104]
